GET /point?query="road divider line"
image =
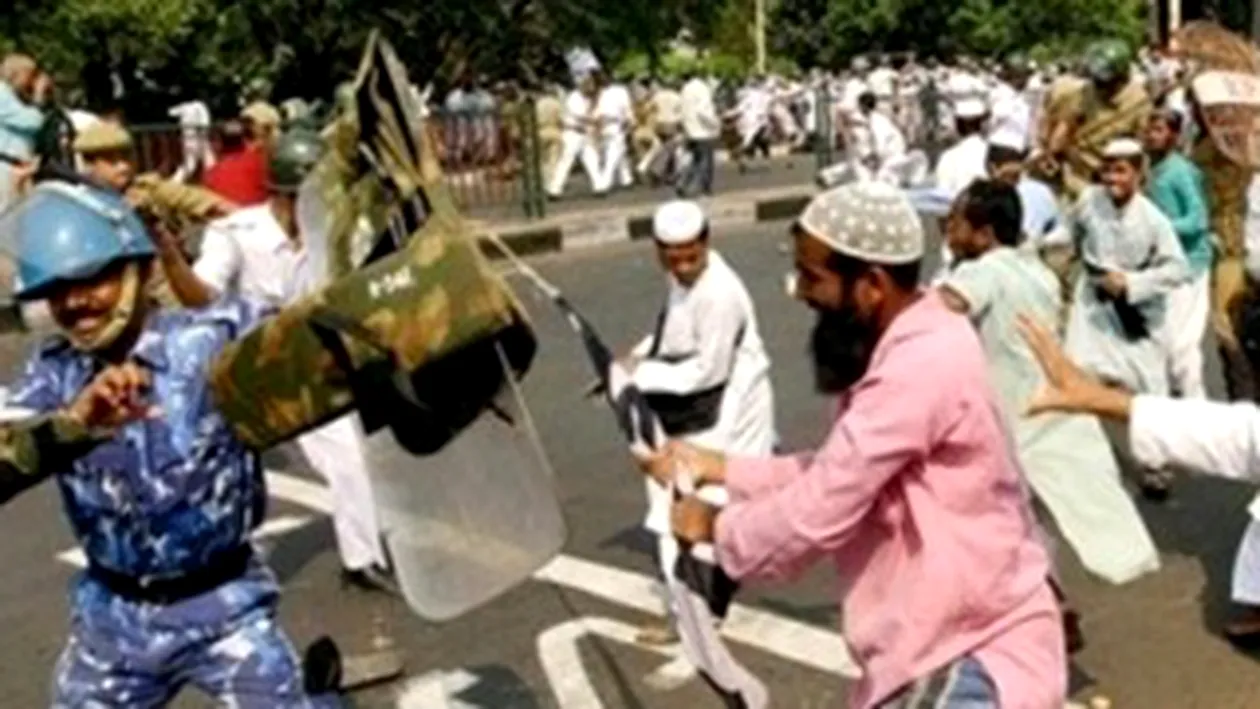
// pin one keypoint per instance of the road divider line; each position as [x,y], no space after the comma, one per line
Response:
[561,658]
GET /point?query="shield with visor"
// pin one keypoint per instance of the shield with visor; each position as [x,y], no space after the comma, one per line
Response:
[411,328]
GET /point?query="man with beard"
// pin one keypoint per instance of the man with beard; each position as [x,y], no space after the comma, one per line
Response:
[1132,261]
[915,496]
[1066,459]
[704,369]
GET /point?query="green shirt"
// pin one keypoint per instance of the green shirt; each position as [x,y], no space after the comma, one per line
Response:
[1176,187]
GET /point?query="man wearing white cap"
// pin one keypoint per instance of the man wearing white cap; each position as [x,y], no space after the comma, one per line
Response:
[1004,161]
[964,162]
[914,496]
[1132,262]
[704,369]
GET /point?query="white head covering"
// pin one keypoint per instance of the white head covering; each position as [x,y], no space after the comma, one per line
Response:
[1123,148]
[970,108]
[870,221]
[678,222]
[1010,138]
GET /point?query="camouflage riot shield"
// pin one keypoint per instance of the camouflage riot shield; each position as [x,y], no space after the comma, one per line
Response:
[418,335]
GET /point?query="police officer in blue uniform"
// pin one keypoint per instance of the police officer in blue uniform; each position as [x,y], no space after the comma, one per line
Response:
[159,493]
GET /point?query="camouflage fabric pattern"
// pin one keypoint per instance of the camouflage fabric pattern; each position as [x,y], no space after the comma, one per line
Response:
[379,176]
[1226,185]
[1080,122]
[179,207]
[162,496]
[418,305]
[226,643]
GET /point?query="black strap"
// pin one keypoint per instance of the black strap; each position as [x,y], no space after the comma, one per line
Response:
[222,568]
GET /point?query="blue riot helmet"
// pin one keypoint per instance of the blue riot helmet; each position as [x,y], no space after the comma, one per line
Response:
[62,232]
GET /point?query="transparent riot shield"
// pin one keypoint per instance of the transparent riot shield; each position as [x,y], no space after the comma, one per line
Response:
[475,519]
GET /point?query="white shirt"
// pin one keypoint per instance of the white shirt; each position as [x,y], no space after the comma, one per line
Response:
[962,164]
[699,117]
[248,254]
[854,87]
[616,108]
[577,109]
[1010,112]
[709,336]
[881,81]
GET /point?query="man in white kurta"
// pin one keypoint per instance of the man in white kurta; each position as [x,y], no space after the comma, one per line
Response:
[1133,261]
[614,112]
[1067,459]
[704,369]
[964,162]
[254,254]
[578,141]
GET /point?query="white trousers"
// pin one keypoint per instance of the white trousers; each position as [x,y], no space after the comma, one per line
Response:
[574,145]
[335,451]
[615,165]
[1246,586]
[1186,321]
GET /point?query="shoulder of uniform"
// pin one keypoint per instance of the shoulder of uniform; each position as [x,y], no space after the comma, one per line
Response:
[51,346]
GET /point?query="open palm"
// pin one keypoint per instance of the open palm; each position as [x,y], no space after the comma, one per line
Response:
[1067,388]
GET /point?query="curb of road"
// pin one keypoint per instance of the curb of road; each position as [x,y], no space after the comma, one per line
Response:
[584,230]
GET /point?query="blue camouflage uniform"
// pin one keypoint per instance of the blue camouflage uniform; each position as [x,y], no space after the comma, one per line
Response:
[166,498]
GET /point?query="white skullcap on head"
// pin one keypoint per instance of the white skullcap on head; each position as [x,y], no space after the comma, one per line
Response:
[868,220]
[678,222]
[970,108]
[1009,138]
[1123,148]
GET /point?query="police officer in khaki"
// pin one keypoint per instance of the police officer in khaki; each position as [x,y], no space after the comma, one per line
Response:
[108,154]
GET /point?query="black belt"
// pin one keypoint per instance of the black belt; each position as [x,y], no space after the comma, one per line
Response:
[223,567]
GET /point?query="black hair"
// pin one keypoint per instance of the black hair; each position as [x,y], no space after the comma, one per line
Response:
[867,101]
[905,276]
[994,204]
[1171,118]
[970,126]
[1001,154]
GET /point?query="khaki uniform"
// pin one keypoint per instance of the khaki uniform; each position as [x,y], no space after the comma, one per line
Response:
[1079,123]
[550,130]
[180,209]
[1226,183]
[644,139]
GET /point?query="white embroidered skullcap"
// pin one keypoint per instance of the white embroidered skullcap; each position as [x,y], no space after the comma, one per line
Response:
[1123,148]
[678,222]
[971,108]
[868,220]
[1007,137]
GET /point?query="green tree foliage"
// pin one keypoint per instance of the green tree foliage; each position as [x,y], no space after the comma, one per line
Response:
[829,32]
[148,54]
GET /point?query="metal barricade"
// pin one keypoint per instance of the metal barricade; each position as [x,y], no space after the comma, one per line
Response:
[486,160]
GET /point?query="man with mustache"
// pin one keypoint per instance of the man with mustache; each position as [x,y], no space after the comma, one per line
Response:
[915,496]
[159,492]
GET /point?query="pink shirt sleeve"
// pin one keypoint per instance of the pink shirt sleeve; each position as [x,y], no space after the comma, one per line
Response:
[886,429]
[747,478]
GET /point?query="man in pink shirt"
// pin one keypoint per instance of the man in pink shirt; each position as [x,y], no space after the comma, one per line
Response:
[915,496]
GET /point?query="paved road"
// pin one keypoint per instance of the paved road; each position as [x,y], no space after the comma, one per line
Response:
[1151,644]
[504,203]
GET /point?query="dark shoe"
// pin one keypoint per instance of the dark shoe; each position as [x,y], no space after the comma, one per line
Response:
[1243,628]
[372,578]
[321,668]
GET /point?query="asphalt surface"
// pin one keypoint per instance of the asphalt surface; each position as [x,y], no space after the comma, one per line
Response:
[1151,644]
[503,202]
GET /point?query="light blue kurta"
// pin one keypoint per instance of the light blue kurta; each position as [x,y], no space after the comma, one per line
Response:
[1138,241]
[1067,460]
[19,124]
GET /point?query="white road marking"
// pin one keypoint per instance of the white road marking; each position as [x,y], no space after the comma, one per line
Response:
[561,658]
[807,645]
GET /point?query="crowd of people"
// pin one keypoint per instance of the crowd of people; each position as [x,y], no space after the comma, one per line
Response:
[1093,230]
